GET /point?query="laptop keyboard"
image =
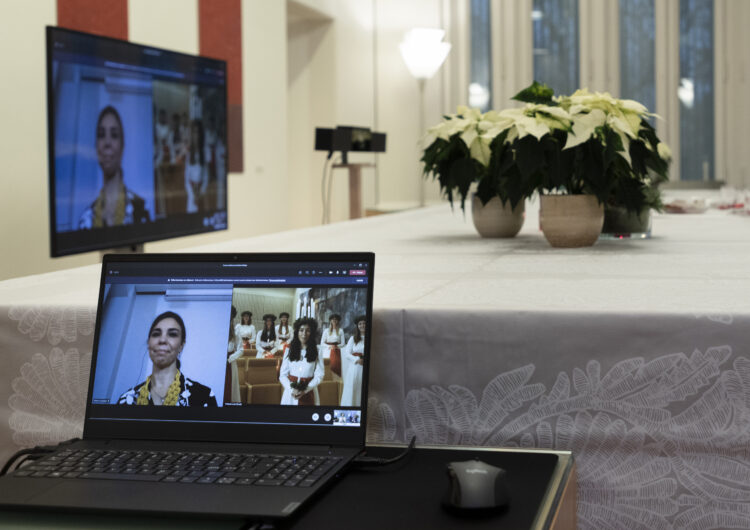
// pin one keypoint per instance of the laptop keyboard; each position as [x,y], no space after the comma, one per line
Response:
[184,467]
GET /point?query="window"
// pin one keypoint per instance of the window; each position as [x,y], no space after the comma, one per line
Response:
[480,89]
[555,38]
[684,89]
[637,31]
[696,90]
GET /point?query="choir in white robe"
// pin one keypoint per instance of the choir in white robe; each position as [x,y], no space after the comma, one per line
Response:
[245,332]
[261,345]
[234,348]
[300,369]
[283,338]
[331,337]
[286,336]
[352,374]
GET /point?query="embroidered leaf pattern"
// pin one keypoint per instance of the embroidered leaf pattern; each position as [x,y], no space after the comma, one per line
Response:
[56,325]
[659,444]
[49,398]
[381,422]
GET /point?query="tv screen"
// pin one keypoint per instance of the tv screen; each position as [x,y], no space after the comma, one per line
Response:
[137,143]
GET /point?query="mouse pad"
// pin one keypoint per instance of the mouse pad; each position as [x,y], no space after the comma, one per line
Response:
[409,494]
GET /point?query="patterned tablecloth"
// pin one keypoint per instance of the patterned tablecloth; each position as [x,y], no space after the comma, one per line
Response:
[633,354]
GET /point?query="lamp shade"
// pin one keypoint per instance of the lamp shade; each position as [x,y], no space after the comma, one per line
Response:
[424,52]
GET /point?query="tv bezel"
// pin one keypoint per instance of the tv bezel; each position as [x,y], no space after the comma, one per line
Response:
[144,235]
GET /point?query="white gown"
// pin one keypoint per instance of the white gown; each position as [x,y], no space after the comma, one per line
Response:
[352,391]
[300,369]
[282,338]
[261,344]
[336,337]
[245,332]
[195,175]
[235,348]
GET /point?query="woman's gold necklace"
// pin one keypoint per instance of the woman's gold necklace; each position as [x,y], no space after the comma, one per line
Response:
[99,216]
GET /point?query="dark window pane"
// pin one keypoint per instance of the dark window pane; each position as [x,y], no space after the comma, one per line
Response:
[637,30]
[480,89]
[696,90]
[555,29]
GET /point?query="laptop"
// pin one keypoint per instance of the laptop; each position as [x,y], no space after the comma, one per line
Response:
[221,385]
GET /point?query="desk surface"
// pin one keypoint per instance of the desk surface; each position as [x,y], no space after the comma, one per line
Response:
[408,494]
[404,495]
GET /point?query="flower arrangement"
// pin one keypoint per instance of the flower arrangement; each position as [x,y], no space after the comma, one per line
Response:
[585,143]
[299,385]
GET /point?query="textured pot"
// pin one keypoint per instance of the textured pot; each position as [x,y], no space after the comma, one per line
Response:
[620,222]
[571,220]
[496,219]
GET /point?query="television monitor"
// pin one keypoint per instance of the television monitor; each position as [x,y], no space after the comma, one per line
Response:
[137,143]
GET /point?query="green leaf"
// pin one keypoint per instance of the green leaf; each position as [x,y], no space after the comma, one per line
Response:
[487,189]
[461,175]
[529,156]
[536,93]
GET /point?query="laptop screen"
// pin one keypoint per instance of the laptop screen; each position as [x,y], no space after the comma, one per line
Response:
[247,347]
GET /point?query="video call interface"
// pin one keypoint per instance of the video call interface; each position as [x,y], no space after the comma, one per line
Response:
[138,142]
[248,342]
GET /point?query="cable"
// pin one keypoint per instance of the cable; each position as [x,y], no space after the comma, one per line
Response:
[323,189]
[32,453]
[366,461]
[328,197]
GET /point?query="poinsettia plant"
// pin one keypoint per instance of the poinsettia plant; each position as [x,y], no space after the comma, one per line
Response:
[585,143]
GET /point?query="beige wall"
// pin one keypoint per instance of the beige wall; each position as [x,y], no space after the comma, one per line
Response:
[345,68]
[398,99]
[24,216]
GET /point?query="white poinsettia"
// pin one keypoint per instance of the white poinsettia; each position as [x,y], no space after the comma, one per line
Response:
[531,119]
[591,110]
[464,119]
[664,151]
[465,123]
[584,126]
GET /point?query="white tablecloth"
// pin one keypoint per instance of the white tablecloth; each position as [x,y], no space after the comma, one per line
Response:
[633,354]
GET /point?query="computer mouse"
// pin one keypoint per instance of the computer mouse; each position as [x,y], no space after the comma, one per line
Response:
[475,486]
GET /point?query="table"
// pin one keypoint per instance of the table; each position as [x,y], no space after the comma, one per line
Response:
[406,494]
[633,354]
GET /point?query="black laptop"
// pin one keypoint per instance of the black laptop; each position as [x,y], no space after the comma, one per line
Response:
[221,385]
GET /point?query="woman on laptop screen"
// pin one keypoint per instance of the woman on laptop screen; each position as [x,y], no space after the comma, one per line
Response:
[115,205]
[354,353]
[283,333]
[245,330]
[302,368]
[266,339]
[332,341]
[167,385]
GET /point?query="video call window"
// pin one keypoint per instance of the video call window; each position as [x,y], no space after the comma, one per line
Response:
[137,143]
[226,345]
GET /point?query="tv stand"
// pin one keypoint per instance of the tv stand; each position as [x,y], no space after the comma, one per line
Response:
[355,187]
[129,249]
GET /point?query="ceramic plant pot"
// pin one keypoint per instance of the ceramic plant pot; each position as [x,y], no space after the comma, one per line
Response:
[571,220]
[496,219]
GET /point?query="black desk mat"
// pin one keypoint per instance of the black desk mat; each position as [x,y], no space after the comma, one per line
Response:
[408,494]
